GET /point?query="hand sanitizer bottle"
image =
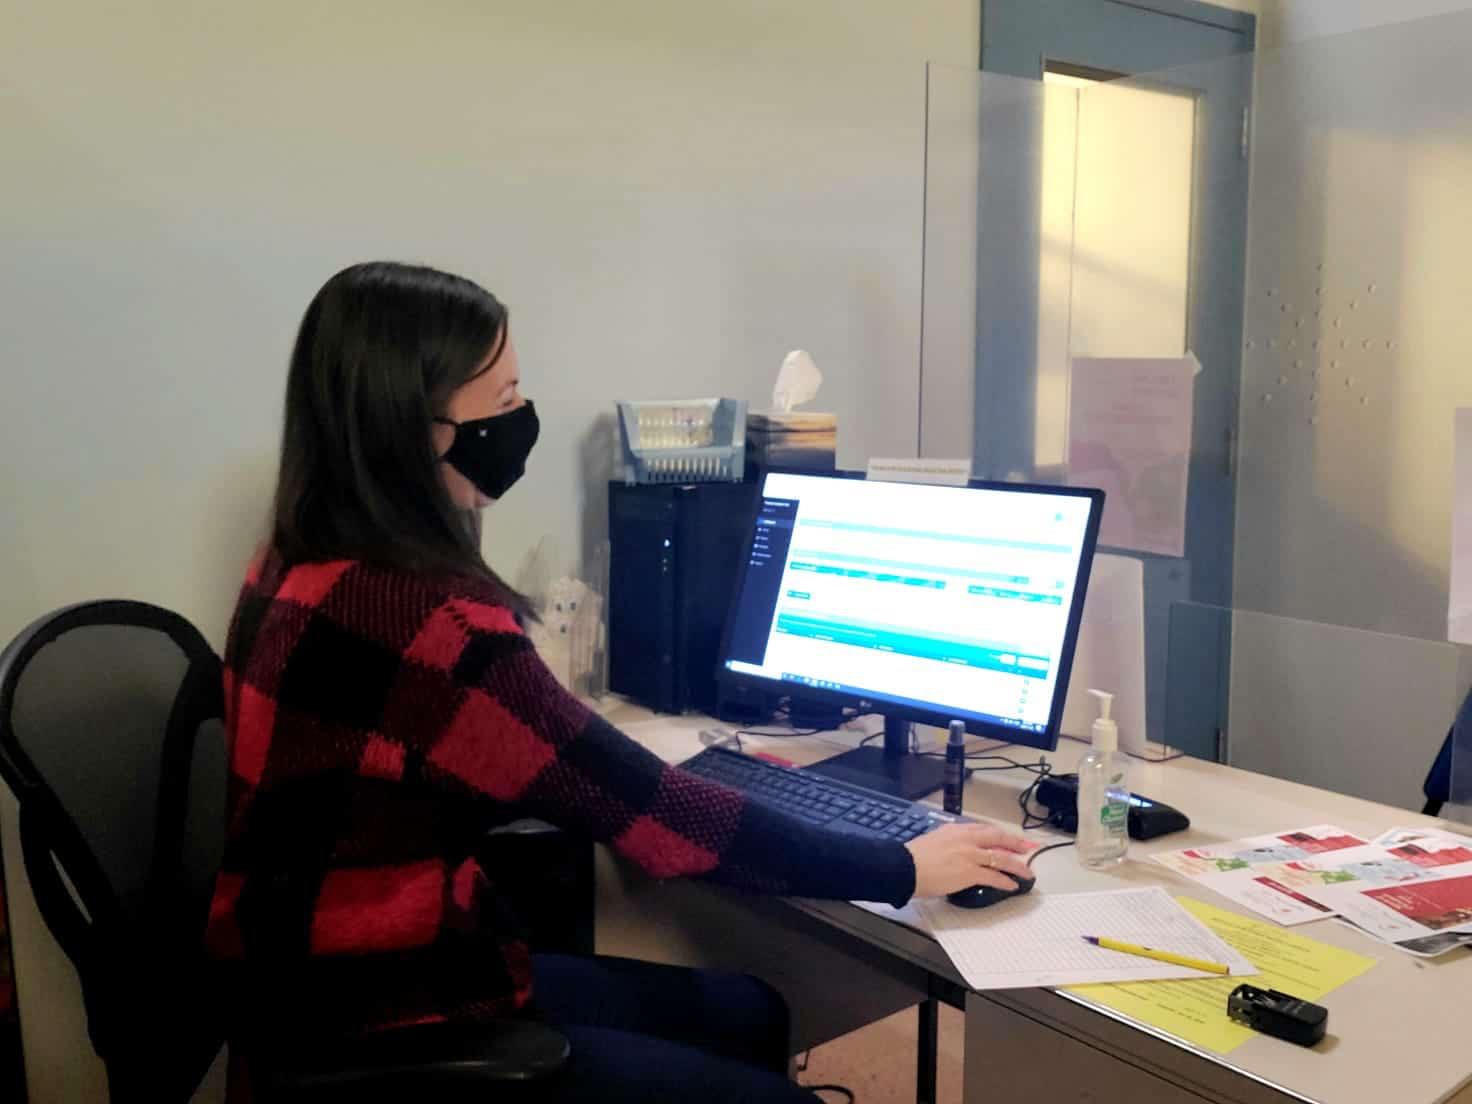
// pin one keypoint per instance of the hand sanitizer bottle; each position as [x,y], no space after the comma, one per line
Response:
[1103,794]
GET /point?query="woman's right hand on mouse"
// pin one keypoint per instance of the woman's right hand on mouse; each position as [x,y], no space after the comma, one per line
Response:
[958,856]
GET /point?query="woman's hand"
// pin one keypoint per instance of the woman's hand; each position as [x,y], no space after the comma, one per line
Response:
[958,856]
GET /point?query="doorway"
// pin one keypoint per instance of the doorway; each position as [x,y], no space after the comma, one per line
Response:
[1124,237]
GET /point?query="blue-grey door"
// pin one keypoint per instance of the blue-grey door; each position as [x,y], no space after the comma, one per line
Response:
[1180,45]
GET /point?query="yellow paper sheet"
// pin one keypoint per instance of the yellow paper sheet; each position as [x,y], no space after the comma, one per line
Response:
[1196,1011]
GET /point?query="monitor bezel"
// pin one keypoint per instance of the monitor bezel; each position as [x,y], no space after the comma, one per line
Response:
[1046,740]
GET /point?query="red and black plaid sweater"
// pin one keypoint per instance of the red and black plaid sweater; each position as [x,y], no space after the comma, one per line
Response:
[381,723]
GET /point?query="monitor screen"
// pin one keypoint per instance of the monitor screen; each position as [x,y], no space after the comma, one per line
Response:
[930,602]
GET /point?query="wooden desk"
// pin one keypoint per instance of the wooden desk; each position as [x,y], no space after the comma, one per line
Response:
[1401,1033]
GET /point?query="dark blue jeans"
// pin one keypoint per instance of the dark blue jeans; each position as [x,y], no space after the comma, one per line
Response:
[643,1033]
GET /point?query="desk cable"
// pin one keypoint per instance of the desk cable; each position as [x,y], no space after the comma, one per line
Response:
[780,734]
[846,1093]
[843,1090]
[1050,847]
[1039,770]
[784,713]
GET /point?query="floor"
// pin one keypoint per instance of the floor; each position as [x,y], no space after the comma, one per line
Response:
[878,1062]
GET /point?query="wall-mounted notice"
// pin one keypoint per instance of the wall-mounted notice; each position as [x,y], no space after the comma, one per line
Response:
[1129,432]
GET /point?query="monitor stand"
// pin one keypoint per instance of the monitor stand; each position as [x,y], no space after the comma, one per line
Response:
[891,769]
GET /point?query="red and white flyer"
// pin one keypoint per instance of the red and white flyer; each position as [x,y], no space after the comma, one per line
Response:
[1277,876]
[1426,909]
[1410,887]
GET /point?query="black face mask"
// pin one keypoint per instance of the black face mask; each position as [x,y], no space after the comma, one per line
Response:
[491,452]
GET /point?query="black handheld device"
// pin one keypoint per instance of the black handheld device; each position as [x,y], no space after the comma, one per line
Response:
[1278,1014]
[1058,793]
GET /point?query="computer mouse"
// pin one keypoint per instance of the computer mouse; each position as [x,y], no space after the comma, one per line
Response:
[981,896]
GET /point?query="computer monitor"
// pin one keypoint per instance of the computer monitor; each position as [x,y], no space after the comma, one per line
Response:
[924,603]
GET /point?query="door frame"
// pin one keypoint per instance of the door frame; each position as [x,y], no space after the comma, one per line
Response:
[1106,42]
[1195,11]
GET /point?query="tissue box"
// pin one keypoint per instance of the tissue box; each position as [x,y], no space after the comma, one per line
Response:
[798,439]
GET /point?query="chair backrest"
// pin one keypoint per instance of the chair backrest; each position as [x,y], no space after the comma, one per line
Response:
[1439,784]
[112,736]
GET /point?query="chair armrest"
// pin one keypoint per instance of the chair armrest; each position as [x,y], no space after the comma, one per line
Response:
[547,877]
[424,1056]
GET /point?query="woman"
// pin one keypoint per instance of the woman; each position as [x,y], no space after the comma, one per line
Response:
[386,710]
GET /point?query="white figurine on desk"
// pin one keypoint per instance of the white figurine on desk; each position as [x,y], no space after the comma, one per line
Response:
[569,636]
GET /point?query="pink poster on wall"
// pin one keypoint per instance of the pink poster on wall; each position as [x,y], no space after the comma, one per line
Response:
[1129,433]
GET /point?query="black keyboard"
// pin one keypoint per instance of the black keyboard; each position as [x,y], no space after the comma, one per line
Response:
[819,800]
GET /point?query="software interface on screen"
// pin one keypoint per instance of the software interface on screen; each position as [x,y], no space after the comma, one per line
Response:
[951,599]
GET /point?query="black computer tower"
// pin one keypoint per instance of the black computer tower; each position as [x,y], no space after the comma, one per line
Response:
[673,555]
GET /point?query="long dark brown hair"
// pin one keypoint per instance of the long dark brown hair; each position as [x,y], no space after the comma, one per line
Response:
[380,350]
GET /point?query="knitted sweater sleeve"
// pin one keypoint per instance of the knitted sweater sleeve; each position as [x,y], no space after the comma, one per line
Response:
[521,739]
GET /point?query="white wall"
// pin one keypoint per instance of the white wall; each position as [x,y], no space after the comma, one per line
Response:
[1297,20]
[669,195]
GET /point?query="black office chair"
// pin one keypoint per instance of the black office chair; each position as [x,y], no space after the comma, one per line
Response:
[1438,784]
[111,736]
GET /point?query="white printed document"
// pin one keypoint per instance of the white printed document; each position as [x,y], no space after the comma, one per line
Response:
[1037,940]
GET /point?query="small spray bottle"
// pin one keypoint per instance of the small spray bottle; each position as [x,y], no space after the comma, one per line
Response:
[955,778]
[1103,794]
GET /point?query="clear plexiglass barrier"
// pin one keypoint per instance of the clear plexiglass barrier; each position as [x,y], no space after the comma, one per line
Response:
[1347,710]
[1234,295]
[983,158]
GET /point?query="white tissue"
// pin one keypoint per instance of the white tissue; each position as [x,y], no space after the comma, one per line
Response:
[798,381]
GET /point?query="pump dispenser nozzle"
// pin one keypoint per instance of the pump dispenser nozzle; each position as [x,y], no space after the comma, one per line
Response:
[1105,732]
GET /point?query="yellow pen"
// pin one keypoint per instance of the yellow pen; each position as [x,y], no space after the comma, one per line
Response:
[1159,956]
